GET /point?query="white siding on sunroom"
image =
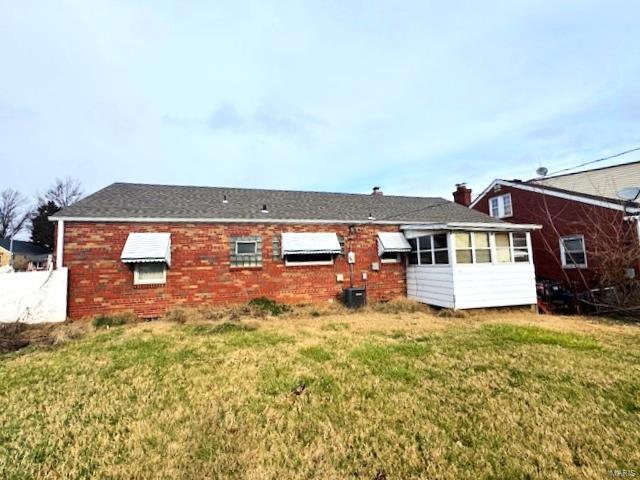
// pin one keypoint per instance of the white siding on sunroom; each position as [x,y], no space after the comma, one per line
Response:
[431,284]
[494,285]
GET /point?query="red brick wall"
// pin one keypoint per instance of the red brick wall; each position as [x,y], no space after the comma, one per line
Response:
[200,271]
[599,226]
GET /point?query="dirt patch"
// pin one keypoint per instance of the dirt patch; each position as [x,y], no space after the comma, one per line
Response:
[15,336]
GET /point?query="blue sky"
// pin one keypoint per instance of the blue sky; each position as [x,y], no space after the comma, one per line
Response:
[339,96]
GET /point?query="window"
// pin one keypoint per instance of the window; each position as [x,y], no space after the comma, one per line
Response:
[246,251]
[309,259]
[503,247]
[482,247]
[154,273]
[464,252]
[428,250]
[500,207]
[390,257]
[520,248]
[244,247]
[473,247]
[572,252]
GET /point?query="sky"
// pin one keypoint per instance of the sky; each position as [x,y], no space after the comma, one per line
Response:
[328,95]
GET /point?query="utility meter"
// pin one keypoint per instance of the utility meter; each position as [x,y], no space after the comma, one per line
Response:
[351,257]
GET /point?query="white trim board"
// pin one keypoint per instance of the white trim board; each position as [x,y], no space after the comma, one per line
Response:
[545,191]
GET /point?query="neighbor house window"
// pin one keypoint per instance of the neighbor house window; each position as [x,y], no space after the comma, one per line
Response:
[572,252]
[500,207]
[309,259]
[246,251]
[150,273]
[428,250]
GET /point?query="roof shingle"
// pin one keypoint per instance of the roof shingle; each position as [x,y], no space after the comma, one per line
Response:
[166,202]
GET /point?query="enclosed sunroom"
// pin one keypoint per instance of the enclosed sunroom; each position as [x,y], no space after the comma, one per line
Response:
[470,265]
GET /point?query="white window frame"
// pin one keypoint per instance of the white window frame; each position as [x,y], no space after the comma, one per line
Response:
[563,258]
[294,263]
[390,260]
[138,281]
[500,199]
[432,251]
[255,248]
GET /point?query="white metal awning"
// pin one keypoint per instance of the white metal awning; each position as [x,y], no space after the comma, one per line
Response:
[306,243]
[392,242]
[147,248]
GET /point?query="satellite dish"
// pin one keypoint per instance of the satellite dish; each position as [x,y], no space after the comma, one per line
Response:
[629,194]
[542,171]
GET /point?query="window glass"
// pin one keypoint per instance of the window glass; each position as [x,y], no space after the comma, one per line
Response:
[425,243]
[501,206]
[425,257]
[441,257]
[520,248]
[246,251]
[463,256]
[149,273]
[245,248]
[574,254]
[310,258]
[429,249]
[440,241]
[463,240]
[503,247]
[482,240]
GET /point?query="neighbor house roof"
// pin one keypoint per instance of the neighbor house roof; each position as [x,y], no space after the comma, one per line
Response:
[534,186]
[23,248]
[141,202]
[602,182]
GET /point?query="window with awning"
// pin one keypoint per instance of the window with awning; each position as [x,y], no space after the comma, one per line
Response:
[310,248]
[150,255]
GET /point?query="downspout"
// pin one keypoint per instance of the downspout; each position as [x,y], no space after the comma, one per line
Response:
[59,244]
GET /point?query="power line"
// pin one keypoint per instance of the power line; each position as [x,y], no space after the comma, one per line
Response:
[594,161]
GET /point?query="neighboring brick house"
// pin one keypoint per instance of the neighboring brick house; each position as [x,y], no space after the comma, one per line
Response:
[581,228]
[148,248]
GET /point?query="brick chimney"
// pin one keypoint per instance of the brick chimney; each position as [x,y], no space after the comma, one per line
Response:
[377,191]
[462,195]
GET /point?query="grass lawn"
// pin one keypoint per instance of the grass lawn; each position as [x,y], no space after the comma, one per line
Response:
[398,395]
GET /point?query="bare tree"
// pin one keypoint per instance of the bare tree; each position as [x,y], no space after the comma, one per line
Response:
[13,212]
[64,192]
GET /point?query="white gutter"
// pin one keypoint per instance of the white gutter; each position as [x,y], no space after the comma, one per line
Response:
[239,220]
[503,226]
[60,244]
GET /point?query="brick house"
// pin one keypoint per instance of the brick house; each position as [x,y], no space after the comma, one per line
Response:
[148,248]
[584,224]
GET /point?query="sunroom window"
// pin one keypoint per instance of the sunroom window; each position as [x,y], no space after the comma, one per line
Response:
[473,247]
[520,247]
[429,249]
[503,247]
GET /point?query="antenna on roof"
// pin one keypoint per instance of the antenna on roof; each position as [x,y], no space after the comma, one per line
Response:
[542,171]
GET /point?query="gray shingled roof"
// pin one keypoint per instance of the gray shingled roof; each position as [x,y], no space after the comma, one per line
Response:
[140,201]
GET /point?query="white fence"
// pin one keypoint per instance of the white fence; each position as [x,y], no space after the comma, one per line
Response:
[33,297]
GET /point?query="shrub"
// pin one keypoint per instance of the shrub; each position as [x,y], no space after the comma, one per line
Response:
[265,305]
[106,321]
[400,305]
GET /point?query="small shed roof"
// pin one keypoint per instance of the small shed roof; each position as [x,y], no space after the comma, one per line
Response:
[147,247]
[305,243]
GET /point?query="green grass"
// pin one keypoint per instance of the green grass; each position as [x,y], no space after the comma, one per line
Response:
[410,394]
